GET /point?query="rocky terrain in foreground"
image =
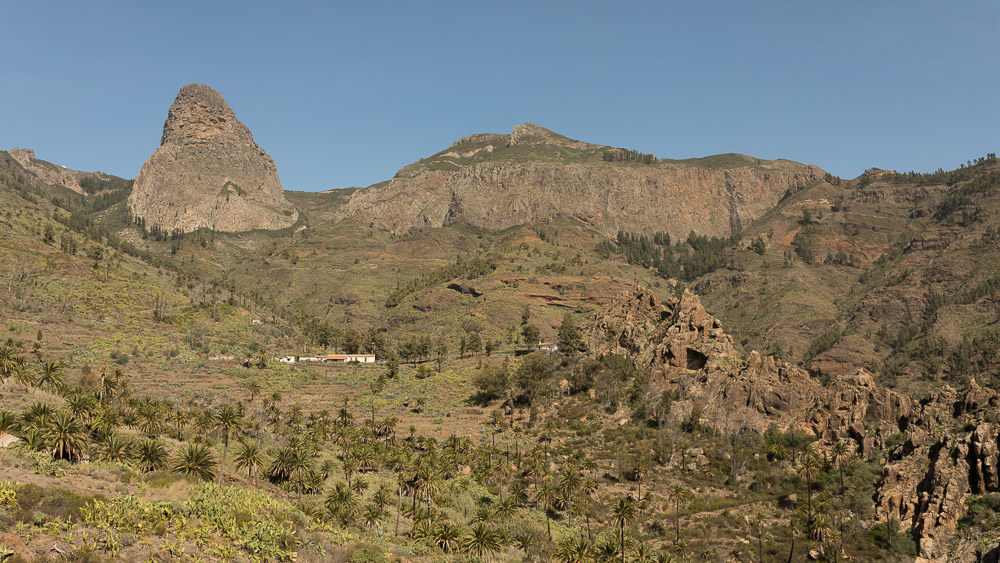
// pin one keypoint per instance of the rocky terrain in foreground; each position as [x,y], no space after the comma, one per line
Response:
[937,451]
[208,173]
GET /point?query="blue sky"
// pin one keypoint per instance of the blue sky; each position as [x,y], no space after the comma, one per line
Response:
[344,94]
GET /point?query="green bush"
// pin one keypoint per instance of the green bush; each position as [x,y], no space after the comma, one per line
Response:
[367,554]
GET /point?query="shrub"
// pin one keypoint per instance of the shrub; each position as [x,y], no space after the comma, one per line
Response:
[367,554]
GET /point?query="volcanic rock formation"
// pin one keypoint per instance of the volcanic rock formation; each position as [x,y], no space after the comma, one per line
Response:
[50,173]
[495,181]
[208,172]
[685,349]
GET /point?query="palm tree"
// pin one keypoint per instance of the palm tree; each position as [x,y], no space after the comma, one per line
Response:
[810,467]
[36,416]
[341,502]
[426,478]
[7,419]
[518,494]
[373,517]
[150,420]
[81,405]
[756,520]
[10,360]
[178,417]
[116,448]
[840,454]
[22,374]
[229,420]
[623,513]
[546,495]
[253,387]
[52,376]
[575,550]
[383,496]
[66,436]
[250,458]
[483,541]
[485,515]
[448,535]
[607,550]
[197,461]
[360,485]
[570,479]
[641,552]
[505,510]
[203,422]
[151,455]
[104,421]
[677,495]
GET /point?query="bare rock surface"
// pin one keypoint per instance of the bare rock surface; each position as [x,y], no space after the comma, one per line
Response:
[51,173]
[208,172]
[936,451]
[494,181]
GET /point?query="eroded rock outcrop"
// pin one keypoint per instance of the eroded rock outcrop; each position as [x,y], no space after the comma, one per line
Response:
[497,181]
[51,173]
[208,172]
[944,447]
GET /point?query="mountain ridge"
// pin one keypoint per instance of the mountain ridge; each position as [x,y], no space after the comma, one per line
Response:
[495,181]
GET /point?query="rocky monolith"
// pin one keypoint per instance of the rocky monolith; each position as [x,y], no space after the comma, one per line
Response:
[208,173]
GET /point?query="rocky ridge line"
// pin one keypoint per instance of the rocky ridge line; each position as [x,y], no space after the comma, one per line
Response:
[494,181]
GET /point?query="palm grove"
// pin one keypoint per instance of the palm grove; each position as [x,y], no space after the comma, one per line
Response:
[543,478]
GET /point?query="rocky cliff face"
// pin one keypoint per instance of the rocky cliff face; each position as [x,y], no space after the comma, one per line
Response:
[496,181]
[949,440]
[49,173]
[208,172]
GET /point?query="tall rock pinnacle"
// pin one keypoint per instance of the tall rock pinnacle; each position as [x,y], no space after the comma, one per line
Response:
[208,172]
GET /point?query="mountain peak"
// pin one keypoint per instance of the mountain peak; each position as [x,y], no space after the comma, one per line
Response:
[208,172]
[528,131]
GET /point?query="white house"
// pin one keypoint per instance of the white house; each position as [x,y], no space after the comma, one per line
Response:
[350,358]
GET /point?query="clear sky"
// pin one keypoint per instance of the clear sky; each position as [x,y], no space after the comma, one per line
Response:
[344,94]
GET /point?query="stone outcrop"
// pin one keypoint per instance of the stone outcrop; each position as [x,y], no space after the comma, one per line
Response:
[685,349]
[496,181]
[49,173]
[208,172]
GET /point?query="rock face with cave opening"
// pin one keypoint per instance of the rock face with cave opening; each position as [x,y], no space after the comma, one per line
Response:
[208,173]
[685,350]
